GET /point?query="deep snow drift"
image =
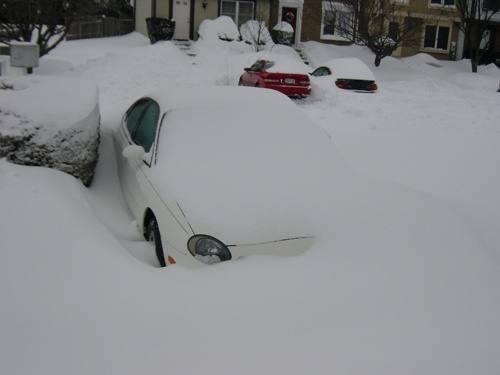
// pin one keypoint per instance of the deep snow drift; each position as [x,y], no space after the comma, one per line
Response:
[402,280]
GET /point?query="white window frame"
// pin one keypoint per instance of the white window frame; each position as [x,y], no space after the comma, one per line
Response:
[442,4]
[339,7]
[237,10]
[436,38]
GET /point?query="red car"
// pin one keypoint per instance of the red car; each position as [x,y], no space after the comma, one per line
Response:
[264,73]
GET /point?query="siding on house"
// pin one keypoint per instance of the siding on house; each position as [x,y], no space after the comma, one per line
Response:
[421,9]
[211,12]
[163,9]
[142,11]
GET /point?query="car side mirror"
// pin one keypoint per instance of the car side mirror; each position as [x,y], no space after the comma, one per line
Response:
[134,152]
[246,69]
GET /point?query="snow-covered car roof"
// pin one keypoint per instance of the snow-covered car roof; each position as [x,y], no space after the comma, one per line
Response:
[288,66]
[285,64]
[349,68]
[243,164]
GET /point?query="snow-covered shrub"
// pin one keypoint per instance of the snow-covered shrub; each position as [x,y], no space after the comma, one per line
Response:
[256,33]
[160,29]
[221,28]
[51,122]
[282,33]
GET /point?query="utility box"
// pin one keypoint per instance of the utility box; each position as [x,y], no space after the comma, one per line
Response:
[24,55]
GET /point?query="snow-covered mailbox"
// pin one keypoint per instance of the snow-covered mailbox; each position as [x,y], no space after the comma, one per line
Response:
[24,55]
[51,122]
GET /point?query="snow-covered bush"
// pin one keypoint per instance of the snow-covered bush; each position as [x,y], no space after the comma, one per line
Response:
[51,122]
[160,29]
[256,34]
[221,28]
[282,33]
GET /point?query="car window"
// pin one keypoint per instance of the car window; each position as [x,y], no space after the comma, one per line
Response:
[269,64]
[146,131]
[321,71]
[134,114]
[256,67]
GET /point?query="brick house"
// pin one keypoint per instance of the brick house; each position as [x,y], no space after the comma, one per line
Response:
[441,36]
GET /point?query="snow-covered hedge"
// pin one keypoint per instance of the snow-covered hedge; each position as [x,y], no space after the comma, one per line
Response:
[282,33]
[221,28]
[52,122]
[160,29]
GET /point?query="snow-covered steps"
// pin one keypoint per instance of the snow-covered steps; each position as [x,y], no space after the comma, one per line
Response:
[185,46]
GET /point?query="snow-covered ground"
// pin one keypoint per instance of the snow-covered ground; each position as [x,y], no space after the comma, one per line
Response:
[404,279]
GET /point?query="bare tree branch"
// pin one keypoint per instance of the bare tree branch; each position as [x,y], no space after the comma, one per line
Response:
[381,25]
[476,17]
[44,22]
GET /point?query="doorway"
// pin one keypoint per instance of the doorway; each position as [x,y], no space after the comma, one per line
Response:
[181,14]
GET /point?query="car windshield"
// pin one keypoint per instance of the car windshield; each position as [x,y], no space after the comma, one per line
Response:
[269,64]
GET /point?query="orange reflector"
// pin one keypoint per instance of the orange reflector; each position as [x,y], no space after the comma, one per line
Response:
[171,260]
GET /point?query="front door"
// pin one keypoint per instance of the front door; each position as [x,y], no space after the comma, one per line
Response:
[181,15]
[289,15]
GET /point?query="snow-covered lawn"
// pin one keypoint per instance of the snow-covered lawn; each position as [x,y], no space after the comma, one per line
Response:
[403,280]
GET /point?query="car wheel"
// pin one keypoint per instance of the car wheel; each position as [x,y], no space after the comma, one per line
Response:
[240,83]
[257,84]
[153,235]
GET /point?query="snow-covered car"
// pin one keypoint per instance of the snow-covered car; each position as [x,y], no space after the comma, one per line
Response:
[269,74]
[348,73]
[208,178]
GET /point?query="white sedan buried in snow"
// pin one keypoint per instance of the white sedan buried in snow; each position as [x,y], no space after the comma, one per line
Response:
[348,74]
[215,173]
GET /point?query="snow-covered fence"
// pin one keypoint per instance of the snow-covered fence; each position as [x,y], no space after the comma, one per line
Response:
[99,27]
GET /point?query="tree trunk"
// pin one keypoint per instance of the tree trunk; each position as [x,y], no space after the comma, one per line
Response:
[474,63]
[378,60]
[474,59]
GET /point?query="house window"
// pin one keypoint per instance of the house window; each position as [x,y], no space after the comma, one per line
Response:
[393,31]
[447,3]
[239,11]
[491,5]
[436,37]
[336,21]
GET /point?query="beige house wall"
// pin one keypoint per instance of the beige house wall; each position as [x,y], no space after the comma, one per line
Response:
[142,11]
[421,9]
[163,9]
[211,12]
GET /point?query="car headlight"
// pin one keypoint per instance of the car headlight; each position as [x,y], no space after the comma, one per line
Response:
[208,249]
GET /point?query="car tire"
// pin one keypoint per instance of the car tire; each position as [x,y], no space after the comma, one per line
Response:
[240,83]
[257,84]
[153,235]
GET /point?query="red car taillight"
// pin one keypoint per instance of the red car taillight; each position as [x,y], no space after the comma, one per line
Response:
[343,85]
[373,87]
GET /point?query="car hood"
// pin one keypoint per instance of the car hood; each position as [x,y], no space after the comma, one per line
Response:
[243,173]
